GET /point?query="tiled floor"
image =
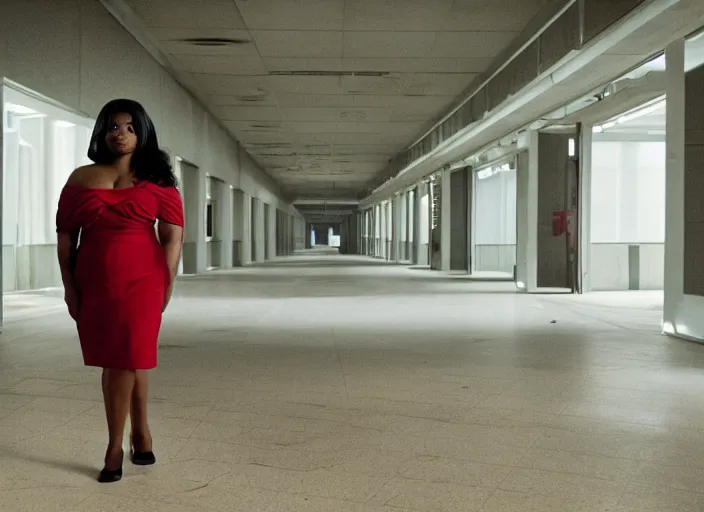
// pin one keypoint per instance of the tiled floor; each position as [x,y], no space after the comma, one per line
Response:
[350,385]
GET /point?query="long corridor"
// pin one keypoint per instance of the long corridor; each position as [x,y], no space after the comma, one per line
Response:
[348,384]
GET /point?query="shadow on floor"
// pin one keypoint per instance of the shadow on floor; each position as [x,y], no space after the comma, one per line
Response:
[71,467]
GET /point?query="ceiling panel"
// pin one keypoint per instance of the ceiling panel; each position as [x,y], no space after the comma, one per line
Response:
[394,16]
[489,15]
[416,65]
[207,14]
[248,113]
[292,14]
[388,45]
[298,44]
[325,92]
[335,114]
[471,44]
[221,65]
[282,64]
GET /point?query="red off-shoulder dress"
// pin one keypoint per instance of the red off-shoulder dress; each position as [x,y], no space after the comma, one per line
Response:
[121,270]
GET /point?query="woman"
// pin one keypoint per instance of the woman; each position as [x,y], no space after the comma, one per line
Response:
[118,276]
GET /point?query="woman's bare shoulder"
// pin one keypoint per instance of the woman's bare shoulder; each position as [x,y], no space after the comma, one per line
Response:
[87,175]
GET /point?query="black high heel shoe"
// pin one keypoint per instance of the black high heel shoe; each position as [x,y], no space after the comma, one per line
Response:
[109,476]
[142,458]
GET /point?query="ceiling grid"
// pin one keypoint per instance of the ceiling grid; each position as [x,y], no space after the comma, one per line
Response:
[323,93]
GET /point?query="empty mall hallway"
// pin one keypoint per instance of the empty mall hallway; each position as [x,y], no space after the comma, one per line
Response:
[340,383]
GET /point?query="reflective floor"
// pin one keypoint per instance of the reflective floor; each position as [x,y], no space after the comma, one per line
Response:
[342,384]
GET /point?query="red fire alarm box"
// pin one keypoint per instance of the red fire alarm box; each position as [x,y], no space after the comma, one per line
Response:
[562,222]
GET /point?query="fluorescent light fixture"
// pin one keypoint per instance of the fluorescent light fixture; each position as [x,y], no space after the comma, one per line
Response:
[485,173]
[19,110]
[641,112]
[571,149]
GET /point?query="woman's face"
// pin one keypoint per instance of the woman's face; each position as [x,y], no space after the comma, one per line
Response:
[121,137]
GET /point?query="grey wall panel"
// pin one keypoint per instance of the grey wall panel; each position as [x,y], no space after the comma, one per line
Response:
[553,161]
[459,229]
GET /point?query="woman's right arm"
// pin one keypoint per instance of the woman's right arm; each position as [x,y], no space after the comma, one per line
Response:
[67,247]
[67,250]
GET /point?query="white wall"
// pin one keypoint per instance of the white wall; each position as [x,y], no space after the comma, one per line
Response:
[76,53]
[627,214]
[628,192]
[495,222]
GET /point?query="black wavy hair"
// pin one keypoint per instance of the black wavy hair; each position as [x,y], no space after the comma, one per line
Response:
[149,162]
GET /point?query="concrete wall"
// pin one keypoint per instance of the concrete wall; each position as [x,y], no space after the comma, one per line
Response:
[76,54]
[628,215]
[494,222]
[495,258]
[459,220]
[553,166]
[617,267]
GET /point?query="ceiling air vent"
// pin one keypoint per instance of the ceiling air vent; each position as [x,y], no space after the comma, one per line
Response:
[215,41]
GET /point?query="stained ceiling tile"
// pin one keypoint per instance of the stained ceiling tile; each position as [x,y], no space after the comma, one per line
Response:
[178,41]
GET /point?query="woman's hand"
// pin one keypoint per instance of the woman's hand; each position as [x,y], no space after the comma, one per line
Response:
[73,302]
[167,299]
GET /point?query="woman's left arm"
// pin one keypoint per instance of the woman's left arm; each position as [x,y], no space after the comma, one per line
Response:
[171,239]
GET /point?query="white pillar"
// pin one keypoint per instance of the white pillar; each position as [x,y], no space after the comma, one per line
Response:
[243,226]
[194,248]
[675,190]
[258,230]
[527,214]
[224,223]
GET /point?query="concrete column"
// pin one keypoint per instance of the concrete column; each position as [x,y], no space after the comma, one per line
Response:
[585,147]
[420,191]
[684,222]
[258,230]
[546,183]
[396,228]
[242,228]
[194,248]
[224,222]
[407,246]
[527,214]
[445,220]
[270,227]
[460,218]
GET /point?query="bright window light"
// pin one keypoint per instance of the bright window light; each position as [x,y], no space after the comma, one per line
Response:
[64,124]
[571,147]
[19,110]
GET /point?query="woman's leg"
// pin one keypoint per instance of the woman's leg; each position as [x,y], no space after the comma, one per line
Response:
[117,392]
[141,436]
